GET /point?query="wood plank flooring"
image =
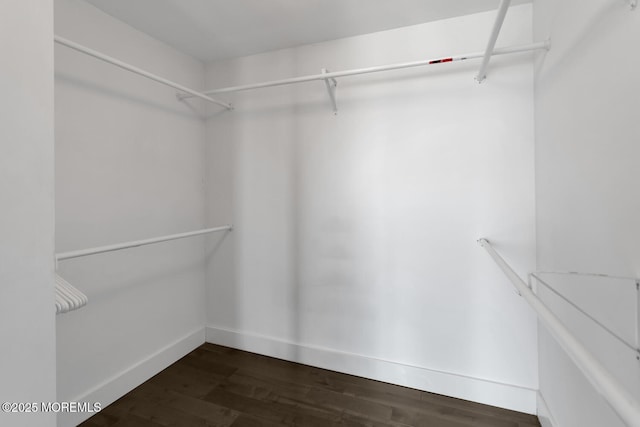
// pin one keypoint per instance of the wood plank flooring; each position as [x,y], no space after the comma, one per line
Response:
[223,387]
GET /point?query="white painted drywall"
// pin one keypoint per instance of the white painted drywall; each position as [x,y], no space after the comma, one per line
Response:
[356,234]
[129,165]
[27,312]
[587,134]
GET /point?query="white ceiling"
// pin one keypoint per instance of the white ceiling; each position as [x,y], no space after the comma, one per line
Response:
[217,29]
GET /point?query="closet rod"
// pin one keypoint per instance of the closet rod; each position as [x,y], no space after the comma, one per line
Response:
[331,75]
[497,25]
[623,403]
[136,70]
[118,246]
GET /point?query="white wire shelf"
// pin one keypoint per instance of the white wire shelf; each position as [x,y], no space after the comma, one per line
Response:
[612,303]
[607,385]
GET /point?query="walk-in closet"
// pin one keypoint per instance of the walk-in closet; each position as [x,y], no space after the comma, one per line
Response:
[320,213]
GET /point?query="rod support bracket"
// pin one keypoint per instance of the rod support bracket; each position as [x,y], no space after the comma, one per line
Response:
[482,241]
[181,96]
[633,4]
[331,84]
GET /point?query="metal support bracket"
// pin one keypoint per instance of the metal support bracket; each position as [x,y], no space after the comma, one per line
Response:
[633,4]
[497,25]
[181,96]
[331,84]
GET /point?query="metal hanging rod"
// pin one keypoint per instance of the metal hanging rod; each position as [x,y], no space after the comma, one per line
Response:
[134,244]
[136,70]
[502,12]
[623,403]
[336,74]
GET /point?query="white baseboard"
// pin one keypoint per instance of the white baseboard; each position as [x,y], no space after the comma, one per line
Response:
[480,390]
[117,386]
[544,414]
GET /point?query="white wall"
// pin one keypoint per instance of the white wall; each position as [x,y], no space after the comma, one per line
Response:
[129,165]
[587,134]
[355,241]
[27,313]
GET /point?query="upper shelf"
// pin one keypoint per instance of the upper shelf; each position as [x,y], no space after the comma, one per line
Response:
[609,301]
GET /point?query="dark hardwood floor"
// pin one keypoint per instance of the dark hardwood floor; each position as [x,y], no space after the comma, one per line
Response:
[220,386]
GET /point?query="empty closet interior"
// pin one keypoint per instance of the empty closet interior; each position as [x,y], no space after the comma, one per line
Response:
[334,220]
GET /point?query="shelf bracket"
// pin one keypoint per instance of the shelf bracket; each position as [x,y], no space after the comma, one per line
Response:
[331,84]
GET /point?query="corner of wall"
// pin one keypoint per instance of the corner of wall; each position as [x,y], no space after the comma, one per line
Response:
[544,414]
[115,387]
